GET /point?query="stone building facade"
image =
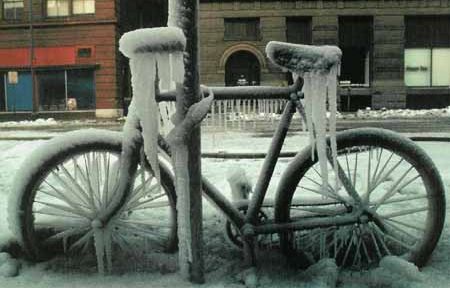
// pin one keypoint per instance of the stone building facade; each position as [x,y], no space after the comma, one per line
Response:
[396,52]
[374,31]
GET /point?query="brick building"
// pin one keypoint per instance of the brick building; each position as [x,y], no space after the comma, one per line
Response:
[396,53]
[76,65]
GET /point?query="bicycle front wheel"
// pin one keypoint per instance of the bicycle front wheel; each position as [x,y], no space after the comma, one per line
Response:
[402,202]
[60,193]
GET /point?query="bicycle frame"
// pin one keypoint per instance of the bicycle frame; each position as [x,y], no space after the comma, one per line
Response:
[132,147]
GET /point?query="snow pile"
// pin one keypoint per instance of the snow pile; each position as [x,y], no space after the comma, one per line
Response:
[319,67]
[9,267]
[240,183]
[323,274]
[393,271]
[28,123]
[402,113]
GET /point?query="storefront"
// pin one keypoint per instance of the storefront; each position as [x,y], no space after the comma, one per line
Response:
[60,83]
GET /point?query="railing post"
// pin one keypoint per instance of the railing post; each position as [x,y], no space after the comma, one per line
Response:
[184,14]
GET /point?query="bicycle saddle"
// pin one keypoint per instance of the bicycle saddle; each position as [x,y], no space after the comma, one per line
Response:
[299,58]
[152,40]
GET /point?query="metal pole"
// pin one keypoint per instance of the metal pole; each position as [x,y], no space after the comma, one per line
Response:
[186,18]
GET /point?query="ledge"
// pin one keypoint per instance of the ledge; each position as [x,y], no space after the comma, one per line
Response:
[428,90]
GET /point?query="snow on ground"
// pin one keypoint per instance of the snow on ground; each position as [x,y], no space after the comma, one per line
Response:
[400,113]
[28,123]
[222,259]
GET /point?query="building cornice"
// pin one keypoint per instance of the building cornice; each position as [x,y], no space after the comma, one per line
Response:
[45,24]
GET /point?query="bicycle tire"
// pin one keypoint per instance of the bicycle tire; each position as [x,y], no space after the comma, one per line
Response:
[39,232]
[408,212]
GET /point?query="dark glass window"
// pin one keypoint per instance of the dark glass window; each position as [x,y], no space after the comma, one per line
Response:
[12,9]
[427,53]
[84,52]
[81,87]
[52,90]
[355,40]
[427,31]
[2,92]
[242,29]
[298,30]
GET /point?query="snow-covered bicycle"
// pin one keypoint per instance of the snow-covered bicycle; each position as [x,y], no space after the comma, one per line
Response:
[100,189]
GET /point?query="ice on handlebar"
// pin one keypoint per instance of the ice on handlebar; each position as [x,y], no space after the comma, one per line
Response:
[319,67]
[155,54]
[152,40]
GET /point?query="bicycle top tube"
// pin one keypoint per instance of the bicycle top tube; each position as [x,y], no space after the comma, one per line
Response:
[243,92]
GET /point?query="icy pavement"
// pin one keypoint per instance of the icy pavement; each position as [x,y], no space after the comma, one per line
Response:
[221,257]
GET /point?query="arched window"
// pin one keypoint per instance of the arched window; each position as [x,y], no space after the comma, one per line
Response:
[242,69]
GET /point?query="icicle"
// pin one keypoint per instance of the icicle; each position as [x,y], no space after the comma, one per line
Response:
[177,67]
[332,102]
[239,114]
[213,114]
[225,109]
[164,73]
[143,70]
[316,96]
[308,109]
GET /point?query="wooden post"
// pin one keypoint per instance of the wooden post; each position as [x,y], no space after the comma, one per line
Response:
[184,14]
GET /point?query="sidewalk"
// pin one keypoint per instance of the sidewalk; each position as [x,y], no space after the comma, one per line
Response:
[430,127]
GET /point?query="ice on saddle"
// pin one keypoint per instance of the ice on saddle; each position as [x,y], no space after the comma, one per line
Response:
[300,58]
[319,67]
[161,39]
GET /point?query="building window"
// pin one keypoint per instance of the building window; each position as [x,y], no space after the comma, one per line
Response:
[298,30]
[66,90]
[242,29]
[61,8]
[83,6]
[355,40]
[84,52]
[12,9]
[427,51]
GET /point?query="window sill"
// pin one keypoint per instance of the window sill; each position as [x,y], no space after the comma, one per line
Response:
[444,90]
[355,90]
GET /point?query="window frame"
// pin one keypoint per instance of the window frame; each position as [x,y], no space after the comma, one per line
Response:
[430,23]
[227,37]
[15,18]
[70,12]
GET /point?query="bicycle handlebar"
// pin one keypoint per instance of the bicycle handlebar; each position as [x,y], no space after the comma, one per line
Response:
[242,92]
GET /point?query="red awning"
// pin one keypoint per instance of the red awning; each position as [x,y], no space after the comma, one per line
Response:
[43,56]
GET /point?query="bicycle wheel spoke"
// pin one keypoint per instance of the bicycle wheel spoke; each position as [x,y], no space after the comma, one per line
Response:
[159,204]
[68,209]
[404,212]
[82,241]
[62,196]
[83,197]
[393,189]
[132,206]
[408,225]
[106,165]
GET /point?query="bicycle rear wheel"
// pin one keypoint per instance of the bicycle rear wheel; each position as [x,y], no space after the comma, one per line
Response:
[58,199]
[402,196]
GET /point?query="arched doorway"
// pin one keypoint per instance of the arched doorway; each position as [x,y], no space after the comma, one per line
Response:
[242,68]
